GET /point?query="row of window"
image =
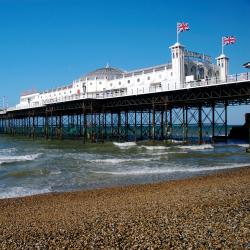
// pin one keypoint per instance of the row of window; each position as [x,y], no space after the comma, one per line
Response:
[128,81]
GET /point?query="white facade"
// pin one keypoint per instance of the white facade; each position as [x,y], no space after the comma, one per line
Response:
[185,68]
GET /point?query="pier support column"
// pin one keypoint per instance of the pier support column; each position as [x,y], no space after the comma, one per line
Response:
[213,121]
[135,126]
[84,123]
[153,121]
[33,126]
[141,125]
[46,126]
[200,124]
[170,122]
[119,125]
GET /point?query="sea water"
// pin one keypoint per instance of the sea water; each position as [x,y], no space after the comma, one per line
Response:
[30,167]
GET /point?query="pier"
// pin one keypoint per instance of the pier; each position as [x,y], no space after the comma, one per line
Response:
[158,115]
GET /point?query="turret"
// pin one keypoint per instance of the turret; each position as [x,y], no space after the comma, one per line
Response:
[222,62]
[177,52]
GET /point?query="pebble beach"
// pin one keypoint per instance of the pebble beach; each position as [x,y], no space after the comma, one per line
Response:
[208,212]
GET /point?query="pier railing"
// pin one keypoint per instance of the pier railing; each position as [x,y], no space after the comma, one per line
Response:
[161,87]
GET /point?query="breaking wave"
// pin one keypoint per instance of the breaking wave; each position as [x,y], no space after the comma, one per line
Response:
[243,145]
[7,150]
[117,160]
[18,158]
[154,147]
[147,171]
[124,145]
[197,147]
[12,192]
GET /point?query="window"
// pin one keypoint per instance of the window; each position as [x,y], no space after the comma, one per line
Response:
[90,83]
[120,83]
[176,54]
[173,55]
[100,83]
[128,81]
[138,79]
[148,78]
[111,84]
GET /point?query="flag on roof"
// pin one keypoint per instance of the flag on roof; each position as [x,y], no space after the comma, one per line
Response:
[182,27]
[229,40]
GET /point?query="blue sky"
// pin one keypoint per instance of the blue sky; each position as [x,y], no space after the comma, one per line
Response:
[48,43]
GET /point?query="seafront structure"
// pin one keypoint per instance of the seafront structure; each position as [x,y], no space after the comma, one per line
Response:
[184,70]
[159,102]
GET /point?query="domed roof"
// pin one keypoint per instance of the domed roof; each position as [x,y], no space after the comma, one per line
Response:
[105,73]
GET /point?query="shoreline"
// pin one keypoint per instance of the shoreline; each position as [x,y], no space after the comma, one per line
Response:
[202,211]
[136,185]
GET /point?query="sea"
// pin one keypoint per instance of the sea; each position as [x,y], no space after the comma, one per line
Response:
[29,167]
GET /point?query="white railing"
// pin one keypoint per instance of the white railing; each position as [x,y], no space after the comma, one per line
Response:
[162,87]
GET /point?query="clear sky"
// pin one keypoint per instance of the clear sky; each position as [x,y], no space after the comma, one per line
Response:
[49,43]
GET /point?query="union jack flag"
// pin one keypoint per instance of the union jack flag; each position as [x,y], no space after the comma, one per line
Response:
[229,40]
[182,27]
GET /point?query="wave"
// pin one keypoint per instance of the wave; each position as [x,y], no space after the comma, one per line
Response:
[18,158]
[197,147]
[13,192]
[116,161]
[7,150]
[171,152]
[175,141]
[243,145]
[124,145]
[146,171]
[153,147]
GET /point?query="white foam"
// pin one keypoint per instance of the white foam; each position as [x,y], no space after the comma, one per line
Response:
[174,141]
[243,145]
[12,192]
[7,150]
[196,147]
[171,152]
[18,158]
[55,172]
[147,171]
[153,147]
[124,145]
[121,160]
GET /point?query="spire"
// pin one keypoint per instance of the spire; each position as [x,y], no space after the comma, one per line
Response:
[107,65]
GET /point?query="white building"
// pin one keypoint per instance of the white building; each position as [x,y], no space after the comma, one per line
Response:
[185,68]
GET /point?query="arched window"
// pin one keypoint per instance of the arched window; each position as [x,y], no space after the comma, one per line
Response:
[201,73]
[209,73]
[193,71]
[186,69]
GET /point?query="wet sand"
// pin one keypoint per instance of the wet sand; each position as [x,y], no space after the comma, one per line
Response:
[209,212]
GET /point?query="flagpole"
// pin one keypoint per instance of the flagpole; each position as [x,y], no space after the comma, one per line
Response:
[177,33]
[222,46]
